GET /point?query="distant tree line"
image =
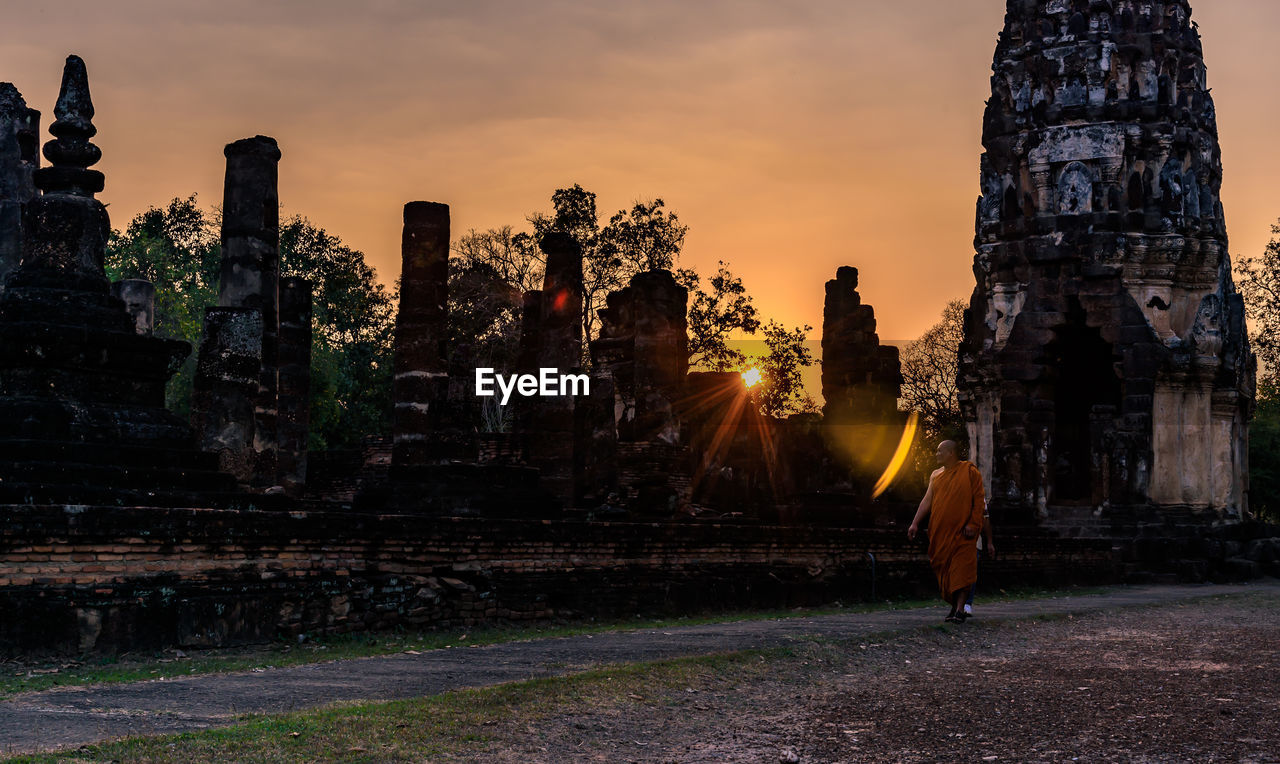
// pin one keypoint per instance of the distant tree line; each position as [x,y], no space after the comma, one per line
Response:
[177,247]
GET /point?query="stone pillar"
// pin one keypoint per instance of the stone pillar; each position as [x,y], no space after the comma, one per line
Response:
[294,417]
[596,443]
[561,344]
[551,431]
[19,128]
[250,274]
[251,227]
[524,410]
[861,382]
[661,354]
[421,371]
[228,370]
[139,297]
[861,379]
[530,331]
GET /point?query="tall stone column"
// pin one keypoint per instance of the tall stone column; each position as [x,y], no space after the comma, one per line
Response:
[251,274]
[19,129]
[661,354]
[295,382]
[421,372]
[551,435]
[249,282]
[561,345]
[251,227]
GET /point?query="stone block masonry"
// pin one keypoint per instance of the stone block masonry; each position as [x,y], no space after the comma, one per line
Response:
[1106,363]
[76,578]
[421,381]
[294,413]
[249,283]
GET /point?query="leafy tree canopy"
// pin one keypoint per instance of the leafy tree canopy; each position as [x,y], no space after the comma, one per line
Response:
[929,369]
[781,391]
[177,248]
[634,240]
[715,312]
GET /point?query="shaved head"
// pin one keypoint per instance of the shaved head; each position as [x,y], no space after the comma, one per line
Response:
[948,453]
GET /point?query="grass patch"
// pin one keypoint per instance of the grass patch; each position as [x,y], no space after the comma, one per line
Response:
[19,677]
[455,724]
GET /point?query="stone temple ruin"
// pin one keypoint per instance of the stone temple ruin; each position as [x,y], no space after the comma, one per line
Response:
[1106,368]
[122,526]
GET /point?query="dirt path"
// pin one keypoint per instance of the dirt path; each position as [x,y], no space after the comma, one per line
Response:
[68,717]
[1189,681]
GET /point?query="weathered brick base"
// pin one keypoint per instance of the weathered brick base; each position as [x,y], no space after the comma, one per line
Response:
[76,578]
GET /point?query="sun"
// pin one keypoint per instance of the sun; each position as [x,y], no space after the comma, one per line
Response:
[751,377]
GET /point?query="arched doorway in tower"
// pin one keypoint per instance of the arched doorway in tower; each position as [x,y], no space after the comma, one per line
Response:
[1086,393]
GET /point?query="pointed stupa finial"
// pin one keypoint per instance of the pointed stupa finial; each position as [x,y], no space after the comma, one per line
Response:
[70,151]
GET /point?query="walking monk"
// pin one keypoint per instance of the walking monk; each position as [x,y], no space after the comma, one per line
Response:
[955,505]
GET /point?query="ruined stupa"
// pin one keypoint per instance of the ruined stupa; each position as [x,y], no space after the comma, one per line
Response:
[1105,363]
[82,414]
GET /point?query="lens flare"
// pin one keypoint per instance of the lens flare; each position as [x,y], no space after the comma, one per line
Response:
[751,377]
[899,456]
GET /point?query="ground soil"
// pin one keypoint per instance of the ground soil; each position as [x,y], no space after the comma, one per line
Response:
[1133,674]
[1180,682]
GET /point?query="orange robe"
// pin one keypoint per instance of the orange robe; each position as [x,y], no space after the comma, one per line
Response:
[958,500]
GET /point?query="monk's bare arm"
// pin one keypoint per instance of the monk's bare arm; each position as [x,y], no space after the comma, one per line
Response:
[925,505]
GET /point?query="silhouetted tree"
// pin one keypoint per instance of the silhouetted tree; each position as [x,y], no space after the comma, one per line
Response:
[645,237]
[714,314]
[352,350]
[513,258]
[929,366]
[1264,455]
[781,391]
[1260,285]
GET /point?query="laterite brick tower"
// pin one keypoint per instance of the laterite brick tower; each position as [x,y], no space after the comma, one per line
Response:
[1105,364]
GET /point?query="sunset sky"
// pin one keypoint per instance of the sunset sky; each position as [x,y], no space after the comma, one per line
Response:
[791,137]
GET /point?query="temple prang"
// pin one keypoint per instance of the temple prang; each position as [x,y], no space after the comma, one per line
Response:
[1106,368]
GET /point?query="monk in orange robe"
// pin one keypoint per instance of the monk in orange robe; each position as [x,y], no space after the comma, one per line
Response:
[955,503]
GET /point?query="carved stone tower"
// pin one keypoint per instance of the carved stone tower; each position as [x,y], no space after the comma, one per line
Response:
[1105,363]
[82,415]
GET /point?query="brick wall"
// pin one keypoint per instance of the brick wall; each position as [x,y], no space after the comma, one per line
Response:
[107,578]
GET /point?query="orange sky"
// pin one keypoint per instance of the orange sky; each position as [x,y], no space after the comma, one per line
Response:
[791,137]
